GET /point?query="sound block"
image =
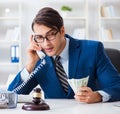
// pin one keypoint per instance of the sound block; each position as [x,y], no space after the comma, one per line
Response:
[33,106]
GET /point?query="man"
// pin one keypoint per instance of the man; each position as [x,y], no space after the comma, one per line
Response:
[79,58]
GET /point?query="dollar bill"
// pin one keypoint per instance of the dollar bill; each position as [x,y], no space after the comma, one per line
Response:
[77,83]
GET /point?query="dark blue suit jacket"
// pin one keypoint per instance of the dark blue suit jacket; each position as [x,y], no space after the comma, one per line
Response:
[85,58]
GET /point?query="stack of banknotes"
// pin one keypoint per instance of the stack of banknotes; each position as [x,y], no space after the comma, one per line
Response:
[77,83]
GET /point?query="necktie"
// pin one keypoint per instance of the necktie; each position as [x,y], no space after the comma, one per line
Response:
[61,73]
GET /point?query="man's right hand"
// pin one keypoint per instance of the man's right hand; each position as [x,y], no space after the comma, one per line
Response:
[32,55]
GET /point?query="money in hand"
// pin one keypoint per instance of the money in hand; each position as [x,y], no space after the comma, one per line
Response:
[77,83]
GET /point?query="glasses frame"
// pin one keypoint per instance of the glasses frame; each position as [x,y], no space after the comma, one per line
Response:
[35,39]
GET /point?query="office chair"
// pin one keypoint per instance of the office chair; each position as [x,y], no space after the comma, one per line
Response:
[114,55]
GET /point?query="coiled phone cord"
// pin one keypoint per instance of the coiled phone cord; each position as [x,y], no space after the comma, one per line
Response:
[43,62]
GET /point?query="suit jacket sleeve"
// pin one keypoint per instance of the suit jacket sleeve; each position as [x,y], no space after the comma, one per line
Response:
[25,87]
[108,76]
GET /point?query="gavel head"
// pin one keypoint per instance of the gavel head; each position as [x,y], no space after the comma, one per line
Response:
[37,95]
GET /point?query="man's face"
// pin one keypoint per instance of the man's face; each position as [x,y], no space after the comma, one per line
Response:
[57,41]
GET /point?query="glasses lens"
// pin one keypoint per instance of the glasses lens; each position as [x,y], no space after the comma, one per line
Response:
[38,38]
[51,35]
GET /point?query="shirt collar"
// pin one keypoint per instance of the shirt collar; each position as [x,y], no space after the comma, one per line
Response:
[64,54]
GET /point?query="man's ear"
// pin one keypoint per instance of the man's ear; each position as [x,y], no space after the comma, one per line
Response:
[62,30]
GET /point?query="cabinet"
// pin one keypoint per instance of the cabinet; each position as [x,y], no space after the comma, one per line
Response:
[10,27]
[75,21]
[109,21]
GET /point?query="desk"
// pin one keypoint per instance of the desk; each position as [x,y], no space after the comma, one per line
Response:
[65,106]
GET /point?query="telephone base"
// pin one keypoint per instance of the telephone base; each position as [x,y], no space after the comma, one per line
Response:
[33,106]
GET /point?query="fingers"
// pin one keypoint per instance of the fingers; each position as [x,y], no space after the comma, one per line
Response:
[33,45]
[82,98]
[84,89]
[83,94]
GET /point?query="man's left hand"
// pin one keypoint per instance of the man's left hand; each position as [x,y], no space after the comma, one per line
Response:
[85,94]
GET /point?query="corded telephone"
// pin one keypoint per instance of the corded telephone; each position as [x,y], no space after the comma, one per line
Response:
[41,54]
[43,62]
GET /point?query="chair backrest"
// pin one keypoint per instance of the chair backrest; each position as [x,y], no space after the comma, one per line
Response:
[114,55]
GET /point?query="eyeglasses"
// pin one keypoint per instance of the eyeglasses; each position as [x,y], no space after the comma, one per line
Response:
[51,35]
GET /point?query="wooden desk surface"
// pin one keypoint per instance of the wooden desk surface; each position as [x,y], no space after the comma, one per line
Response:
[66,106]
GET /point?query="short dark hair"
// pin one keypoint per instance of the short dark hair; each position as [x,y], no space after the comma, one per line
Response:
[49,17]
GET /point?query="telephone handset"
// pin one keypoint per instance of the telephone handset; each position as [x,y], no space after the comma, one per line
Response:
[41,54]
[39,67]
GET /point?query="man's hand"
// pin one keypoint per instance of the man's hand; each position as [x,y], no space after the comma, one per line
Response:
[32,55]
[85,94]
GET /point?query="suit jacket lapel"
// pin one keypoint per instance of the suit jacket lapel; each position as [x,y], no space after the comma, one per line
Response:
[57,89]
[74,53]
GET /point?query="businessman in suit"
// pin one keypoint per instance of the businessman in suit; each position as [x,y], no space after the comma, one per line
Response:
[79,58]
